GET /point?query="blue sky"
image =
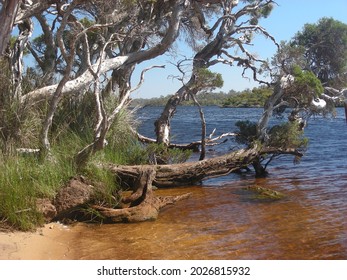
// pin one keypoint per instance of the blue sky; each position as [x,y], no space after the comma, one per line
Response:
[286,19]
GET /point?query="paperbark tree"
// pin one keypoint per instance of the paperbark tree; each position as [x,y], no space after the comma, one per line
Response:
[237,25]
[7,17]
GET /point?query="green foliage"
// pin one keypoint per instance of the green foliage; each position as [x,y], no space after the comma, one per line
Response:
[305,88]
[255,98]
[206,79]
[106,191]
[205,98]
[73,120]
[307,79]
[92,35]
[75,114]
[159,153]
[287,135]
[266,10]
[325,46]
[24,179]
[18,123]
[86,22]
[39,43]
[247,132]
[262,12]
[247,98]
[156,154]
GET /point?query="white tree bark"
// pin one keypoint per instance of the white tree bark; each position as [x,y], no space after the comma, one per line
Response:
[76,84]
[85,79]
[270,106]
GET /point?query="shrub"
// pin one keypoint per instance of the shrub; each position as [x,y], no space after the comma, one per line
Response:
[287,135]
[247,132]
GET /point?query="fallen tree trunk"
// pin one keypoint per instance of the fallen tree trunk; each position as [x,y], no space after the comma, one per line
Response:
[142,204]
[194,172]
[188,173]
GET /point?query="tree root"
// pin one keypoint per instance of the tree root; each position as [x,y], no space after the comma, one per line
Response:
[144,205]
[147,210]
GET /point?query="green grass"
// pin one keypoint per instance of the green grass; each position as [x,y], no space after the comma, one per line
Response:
[22,181]
[24,178]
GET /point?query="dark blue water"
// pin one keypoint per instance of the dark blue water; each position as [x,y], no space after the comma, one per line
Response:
[326,154]
[222,221]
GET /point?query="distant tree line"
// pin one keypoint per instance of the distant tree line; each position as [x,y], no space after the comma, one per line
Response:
[247,98]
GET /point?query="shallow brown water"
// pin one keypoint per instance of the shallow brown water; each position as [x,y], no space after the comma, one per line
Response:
[226,222]
[223,221]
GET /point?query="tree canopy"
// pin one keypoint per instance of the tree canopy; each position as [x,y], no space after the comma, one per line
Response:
[325,50]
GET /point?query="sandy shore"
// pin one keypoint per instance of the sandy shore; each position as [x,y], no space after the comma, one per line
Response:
[52,242]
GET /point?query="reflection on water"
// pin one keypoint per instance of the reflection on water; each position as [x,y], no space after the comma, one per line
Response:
[220,221]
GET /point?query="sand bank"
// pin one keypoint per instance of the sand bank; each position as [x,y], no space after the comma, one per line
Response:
[51,242]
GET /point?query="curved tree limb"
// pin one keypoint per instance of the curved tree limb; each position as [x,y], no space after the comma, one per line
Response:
[85,79]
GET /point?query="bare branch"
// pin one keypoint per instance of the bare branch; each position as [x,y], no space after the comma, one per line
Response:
[259,29]
[126,96]
[142,77]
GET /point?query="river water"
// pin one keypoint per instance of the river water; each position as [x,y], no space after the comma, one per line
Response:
[223,221]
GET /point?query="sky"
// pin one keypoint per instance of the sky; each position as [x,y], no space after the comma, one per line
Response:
[285,21]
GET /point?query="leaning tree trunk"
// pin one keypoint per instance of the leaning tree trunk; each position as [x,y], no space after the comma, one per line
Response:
[7,17]
[162,124]
[201,60]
